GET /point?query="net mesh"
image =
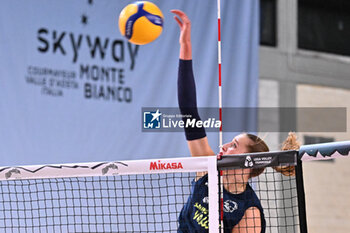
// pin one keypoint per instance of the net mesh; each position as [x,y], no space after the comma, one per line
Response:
[150,202]
[125,203]
[275,194]
[278,196]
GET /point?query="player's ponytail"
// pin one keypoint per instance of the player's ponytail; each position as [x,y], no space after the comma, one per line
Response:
[291,143]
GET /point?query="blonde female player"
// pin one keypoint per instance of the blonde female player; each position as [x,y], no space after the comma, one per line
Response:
[242,208]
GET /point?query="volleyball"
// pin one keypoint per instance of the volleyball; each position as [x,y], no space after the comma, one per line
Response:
[141,22]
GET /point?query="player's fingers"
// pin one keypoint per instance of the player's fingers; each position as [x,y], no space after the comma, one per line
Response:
[181,15]
[178,21]
[177,12]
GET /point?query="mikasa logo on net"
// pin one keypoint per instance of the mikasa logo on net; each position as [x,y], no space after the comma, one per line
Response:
[164,165]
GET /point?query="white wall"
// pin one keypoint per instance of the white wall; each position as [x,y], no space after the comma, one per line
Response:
[327,184]
[297,78]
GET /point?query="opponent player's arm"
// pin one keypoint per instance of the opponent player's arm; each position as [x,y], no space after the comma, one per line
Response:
[250,223]
[196,137]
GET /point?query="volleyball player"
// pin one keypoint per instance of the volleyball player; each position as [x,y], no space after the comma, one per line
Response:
[242,208]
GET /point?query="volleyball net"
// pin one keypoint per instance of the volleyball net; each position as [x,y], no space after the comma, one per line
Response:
[150,195]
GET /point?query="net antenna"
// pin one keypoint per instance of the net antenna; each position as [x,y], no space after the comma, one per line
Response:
[221,187]
[219,64]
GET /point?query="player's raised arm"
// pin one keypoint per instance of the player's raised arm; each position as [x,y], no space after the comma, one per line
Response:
[196,137]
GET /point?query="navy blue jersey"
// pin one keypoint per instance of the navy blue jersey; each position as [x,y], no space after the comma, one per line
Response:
[194,216]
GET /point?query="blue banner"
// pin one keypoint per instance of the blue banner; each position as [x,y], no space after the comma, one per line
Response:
[73,88]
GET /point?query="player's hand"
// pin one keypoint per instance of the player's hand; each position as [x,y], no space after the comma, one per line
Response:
[184,24]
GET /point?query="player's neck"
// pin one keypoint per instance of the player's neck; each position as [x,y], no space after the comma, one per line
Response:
[236,184]
[236,188]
